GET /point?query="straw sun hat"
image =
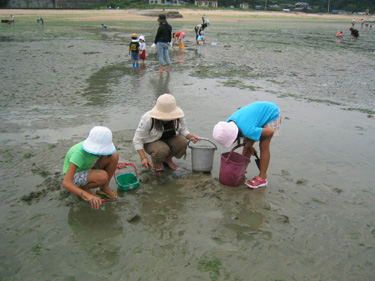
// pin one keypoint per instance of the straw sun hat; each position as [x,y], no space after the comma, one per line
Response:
[166,109]
[99,141]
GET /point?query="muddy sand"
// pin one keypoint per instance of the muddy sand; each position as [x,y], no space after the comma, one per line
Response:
[315,220]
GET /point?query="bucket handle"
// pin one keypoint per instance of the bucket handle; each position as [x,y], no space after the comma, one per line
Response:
[126,165]
[234,148]
[206,139]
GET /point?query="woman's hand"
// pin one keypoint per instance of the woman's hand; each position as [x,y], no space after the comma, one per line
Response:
[121,165]
[146,163]
[194,138]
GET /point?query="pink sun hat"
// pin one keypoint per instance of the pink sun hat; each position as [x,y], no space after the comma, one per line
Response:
[225,133]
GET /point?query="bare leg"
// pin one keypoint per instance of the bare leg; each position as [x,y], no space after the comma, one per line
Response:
[248,149]
[265,154]
[170,163]
[104,174]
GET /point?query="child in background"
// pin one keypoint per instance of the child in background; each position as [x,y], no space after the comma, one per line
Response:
[91,164]
[178,36]
[142,48]
[134,50]
[201,39]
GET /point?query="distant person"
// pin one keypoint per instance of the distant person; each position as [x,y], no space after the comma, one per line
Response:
[163,40]
[354,33]
[201,39]
[203,19]
[12,18]
[134,50]
[362,23]
[162,133]
[366,26]
[104,26]
[42,20]
[142,48]
[370,25]
[353,22]
[91,164]
[257,121]
[198,29]
[178,37]
[339,34]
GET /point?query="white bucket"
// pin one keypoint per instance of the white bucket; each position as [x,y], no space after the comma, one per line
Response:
[202,156]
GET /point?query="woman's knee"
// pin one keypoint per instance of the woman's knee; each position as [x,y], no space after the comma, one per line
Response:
[178,146]
[158,150]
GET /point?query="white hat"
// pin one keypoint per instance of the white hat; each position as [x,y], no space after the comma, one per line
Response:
[99,141]
[142,38]
[225,133]
[166,109]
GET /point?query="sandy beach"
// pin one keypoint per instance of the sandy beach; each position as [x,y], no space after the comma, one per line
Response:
[188,15]
[315,220]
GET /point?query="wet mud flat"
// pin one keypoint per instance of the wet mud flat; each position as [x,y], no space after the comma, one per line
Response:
[315,221]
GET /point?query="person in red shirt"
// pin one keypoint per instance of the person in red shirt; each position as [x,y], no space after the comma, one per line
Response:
[178,37]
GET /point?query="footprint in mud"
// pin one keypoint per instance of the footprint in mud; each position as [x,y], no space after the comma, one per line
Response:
[50,184]
[302,181]
[34,195]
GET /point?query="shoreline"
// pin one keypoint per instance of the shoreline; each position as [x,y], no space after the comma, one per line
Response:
[188,15]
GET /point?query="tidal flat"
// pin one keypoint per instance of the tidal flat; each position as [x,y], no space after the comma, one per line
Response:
[315,220]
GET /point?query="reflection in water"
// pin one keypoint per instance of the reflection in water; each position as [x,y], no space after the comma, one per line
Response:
[159,209]
[179,55]
[94,232]
[98,91]
[163,84]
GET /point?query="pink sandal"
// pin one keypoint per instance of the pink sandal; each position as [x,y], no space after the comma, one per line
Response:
[256,182]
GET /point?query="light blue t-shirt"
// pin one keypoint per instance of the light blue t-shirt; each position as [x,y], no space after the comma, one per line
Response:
[251,118]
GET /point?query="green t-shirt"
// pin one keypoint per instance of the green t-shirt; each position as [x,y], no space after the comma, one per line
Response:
[82,159]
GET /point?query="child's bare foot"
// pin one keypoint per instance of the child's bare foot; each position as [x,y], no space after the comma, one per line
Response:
[172,165]
[107,191]
[160,70]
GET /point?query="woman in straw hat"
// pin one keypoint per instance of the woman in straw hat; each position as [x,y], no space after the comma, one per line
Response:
[163,40]
[91,164]
[162,133]
[258,121]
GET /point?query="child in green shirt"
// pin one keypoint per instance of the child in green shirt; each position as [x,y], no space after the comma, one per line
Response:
[91,164]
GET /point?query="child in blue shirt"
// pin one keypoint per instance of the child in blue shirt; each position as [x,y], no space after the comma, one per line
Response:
[258,121]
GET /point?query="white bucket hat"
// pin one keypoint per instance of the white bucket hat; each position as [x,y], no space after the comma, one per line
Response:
[225,133]
[99,141]
[166,109]
[142,38]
